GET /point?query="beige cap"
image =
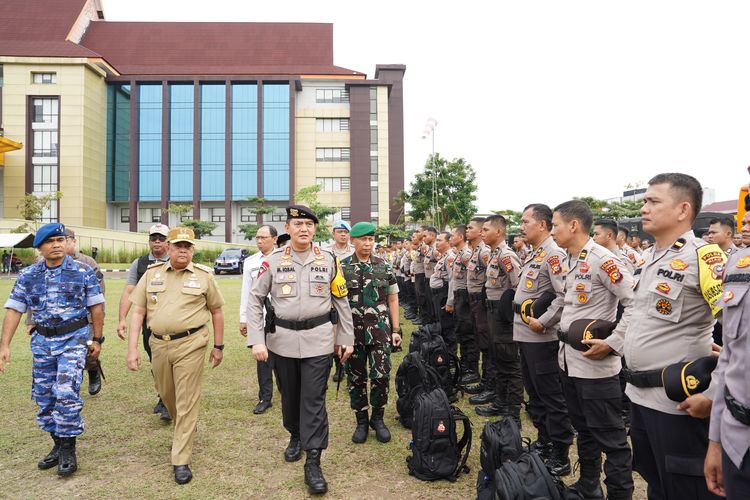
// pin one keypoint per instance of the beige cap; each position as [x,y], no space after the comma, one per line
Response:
[159,229]
[181,234]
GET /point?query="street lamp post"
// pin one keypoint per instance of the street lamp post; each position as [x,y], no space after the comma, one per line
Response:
[429,130]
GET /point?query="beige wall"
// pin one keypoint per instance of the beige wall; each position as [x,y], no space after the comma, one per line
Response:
[384,195]
[83,108]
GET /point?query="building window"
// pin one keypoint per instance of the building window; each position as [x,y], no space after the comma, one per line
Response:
[149,215]
[212,152]
[244,141]
[181,142]
[186,216]
[124,215]
[331,95]
[44,78]
[332,154]
[333,184]
[276,137]
[118,142]
[278,216]
[332,124]
[218,214]
[149,143]
[44,118]
[346,213]
[246,214]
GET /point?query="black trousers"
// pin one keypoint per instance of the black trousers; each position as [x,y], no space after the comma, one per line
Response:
[429,303]
[541,378]
[482,334]
[146,333]
[595,408]
[447,324]
[506,358]
[465,331]
[265,379]
[303,384]
[409,296]
[669,451]
[736,481]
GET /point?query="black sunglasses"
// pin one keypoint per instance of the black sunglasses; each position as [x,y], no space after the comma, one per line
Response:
[155,237]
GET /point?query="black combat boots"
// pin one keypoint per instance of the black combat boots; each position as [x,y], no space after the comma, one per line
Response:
[376,422]
[543,446]
[95,382]
[360,433]
[588,486]
[559,463]
[67,463]
[53,456]
[316,483]
[293,451]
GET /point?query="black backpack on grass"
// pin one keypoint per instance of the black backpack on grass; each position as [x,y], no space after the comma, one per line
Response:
[437,452]
[413,377]
[435,353]
[422,335]
[525,479]
[501,443]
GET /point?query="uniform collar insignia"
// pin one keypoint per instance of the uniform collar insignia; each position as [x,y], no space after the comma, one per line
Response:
[584,253]
[678,244]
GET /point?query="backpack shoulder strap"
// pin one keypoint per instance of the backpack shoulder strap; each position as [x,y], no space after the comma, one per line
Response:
[464,444]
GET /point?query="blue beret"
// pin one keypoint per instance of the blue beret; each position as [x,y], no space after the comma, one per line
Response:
[340,224]
[48,231]
[363,229]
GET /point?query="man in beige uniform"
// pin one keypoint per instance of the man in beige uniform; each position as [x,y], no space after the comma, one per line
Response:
[595,282]
[676,295]
[178,298]
[313,320]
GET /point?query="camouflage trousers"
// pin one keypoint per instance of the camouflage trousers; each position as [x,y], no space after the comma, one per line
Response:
[378,357]
[57,372]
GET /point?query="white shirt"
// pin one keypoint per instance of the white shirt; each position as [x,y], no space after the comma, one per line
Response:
[250,270]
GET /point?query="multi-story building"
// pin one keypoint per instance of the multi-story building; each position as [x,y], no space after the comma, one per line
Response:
[128,118]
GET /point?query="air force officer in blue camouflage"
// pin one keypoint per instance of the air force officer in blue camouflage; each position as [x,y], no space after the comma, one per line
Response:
[59,293]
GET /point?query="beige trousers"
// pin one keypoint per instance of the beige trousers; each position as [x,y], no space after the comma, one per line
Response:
[178,372]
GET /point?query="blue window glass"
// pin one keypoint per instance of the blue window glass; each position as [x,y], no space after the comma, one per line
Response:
[149,152]
[276,141]
[244,141]
[118,142]
[181,142]
[213,116]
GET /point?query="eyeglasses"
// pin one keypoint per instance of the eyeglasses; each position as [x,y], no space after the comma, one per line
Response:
[157,237]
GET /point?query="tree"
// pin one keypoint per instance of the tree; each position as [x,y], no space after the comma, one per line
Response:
[613,210]
[179,209]
[201,228]
[259,208]
[513,219]
[390,232]
[598,207]
[309,197]
[444,193]
[32,208]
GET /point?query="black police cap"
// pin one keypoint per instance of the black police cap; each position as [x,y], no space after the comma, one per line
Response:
[686,378]
[300,212]
[506,304]
[535,308]
[587,329]
[282,239]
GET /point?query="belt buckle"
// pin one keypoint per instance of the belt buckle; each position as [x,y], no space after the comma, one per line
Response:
[166,337]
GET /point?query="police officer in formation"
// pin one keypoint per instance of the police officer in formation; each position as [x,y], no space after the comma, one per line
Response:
[177,299]
[60,294]
[158,252]
[313,321]
[373,299]
[440,288]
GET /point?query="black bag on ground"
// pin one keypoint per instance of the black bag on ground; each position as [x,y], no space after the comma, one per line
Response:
[422,335]
[435,353]
[437,452]
[413,377]
[501,443]
[525,479]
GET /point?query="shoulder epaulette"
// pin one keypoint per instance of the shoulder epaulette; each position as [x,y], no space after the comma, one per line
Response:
[678,244]
[159,263]
[204,268]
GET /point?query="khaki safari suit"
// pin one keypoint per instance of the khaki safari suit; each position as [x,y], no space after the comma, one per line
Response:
[179,301]
[299,286]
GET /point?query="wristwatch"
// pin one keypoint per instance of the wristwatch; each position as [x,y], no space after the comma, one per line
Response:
[219,347]
[95,339]
[398,330]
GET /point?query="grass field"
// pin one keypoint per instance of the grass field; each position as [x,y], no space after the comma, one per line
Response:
[125,450]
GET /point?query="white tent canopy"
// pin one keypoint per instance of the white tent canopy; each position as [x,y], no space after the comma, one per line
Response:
[17,240]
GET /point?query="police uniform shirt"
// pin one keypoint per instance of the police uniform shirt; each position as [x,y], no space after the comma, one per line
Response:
[54,295]
[430,260]
[477,267]
[177,300]
[670,320]
[733,249]
[418,259]
[502,271]
[459,273]
[596,280]
[442,271]
[249,272]
[299,287]
[341,254]
[543,271]
[732,371]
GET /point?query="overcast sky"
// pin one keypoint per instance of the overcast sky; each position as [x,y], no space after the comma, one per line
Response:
[546,99]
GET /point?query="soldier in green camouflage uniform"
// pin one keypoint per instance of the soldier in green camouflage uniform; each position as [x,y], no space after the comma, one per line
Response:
[373,298]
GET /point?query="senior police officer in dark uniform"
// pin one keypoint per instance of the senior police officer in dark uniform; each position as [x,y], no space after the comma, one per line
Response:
[677,293]
[502,272]
[373,299]
[313,320]
[595,282]
[727,466]
[542,274]
[59,293]
[158,252]
[177,299]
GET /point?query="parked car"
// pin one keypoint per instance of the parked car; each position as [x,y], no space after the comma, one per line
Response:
[230,261]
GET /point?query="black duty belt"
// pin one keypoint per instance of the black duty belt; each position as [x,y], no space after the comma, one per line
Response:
[463,292]
[306,324]
[561,336]
[648,378]
[477,296]
[740,412]
[517,308]
[63,328]
[176,336]
[444,286]
[492,305]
